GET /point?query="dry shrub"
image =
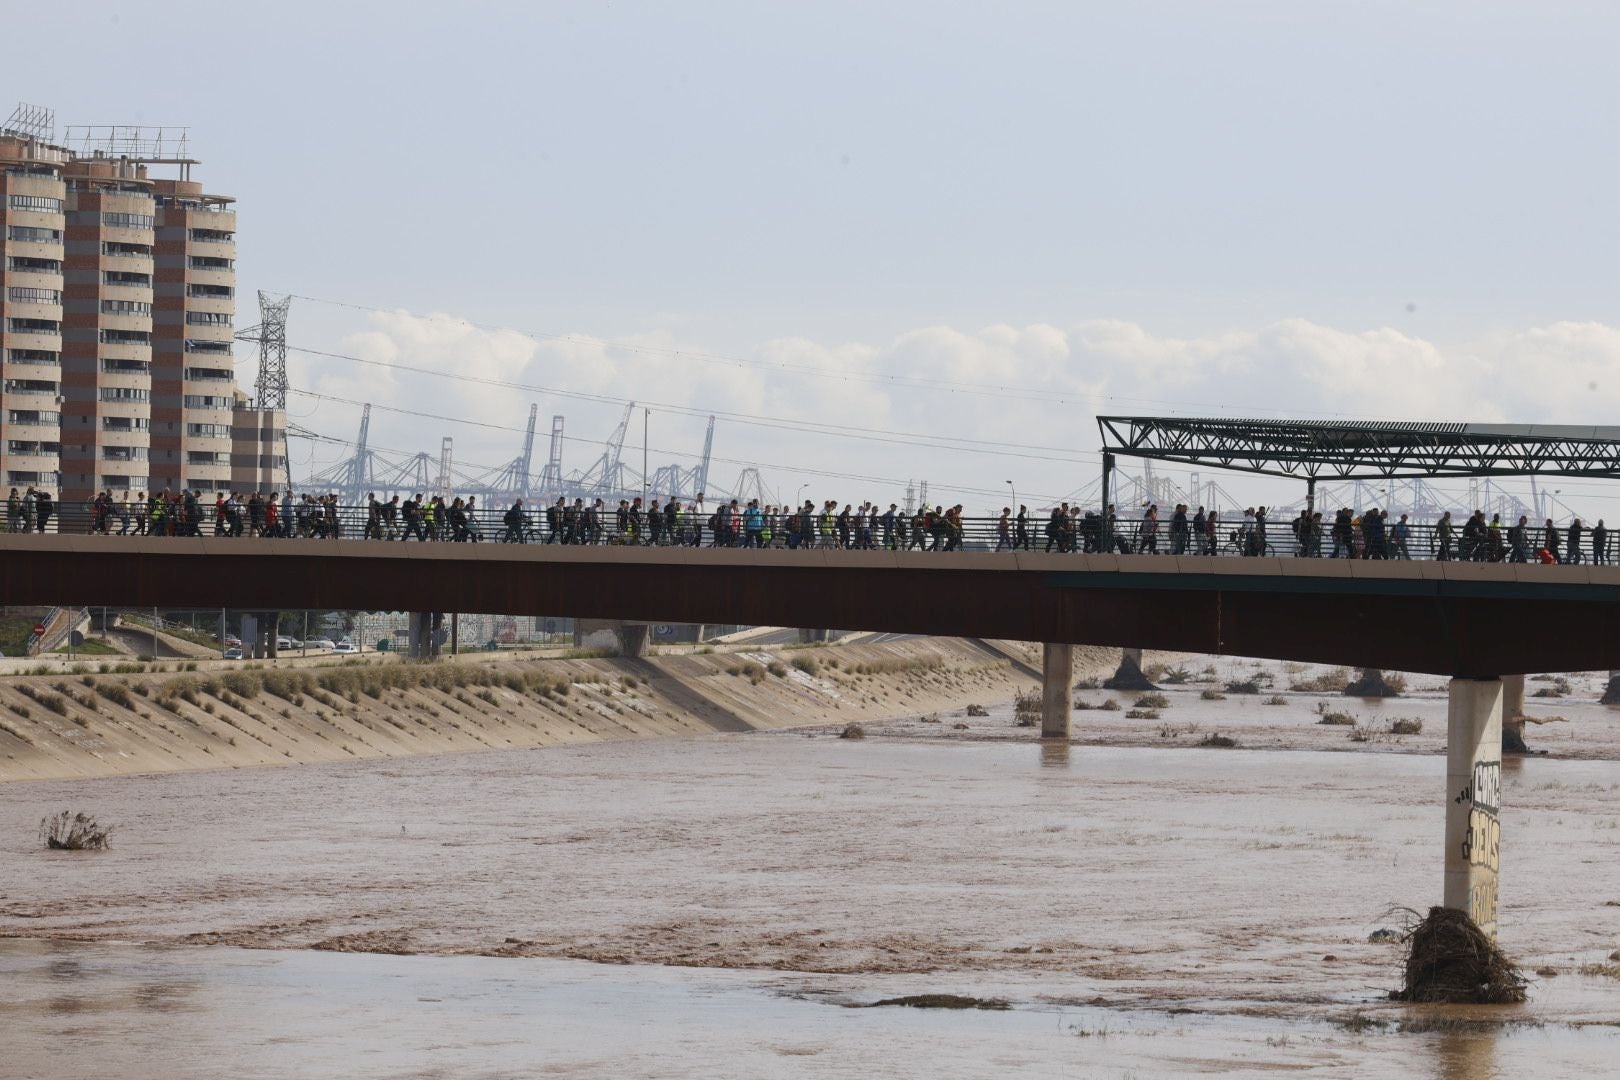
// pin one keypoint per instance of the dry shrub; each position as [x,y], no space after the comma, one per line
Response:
[1449,959]
[1152,701]
[116,693]
[777,668]
[1406,725]
[852,731]
[1215,739]
[977,710]
[1142,714]
[1328,682]
[1275,699]
[1212,695]
[1245,686]
[1338,719]
[1027,708]
[806,664]
[1109,706]
[74,832]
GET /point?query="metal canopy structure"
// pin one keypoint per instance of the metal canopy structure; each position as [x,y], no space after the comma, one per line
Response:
[1365,450]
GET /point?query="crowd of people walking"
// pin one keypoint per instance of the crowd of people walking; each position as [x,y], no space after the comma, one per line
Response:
[1348,534]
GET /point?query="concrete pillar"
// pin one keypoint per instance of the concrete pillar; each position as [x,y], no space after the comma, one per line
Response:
[1513,714]
[1473,799]
[252,642]
[272,620]
[1611,696]
[633,639]
[1057,691]
[1128,676]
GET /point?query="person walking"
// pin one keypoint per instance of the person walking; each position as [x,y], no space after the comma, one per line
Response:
[1600,544]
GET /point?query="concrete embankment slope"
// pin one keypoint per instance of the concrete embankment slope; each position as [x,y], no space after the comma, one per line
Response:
[88,725]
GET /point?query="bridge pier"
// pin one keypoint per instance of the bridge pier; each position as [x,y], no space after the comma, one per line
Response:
[1057,691]
[634,639]
[1128,676]
[1513,714]
[1473,799]
[1611,695]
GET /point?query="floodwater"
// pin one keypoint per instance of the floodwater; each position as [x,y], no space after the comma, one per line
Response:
[1150,910]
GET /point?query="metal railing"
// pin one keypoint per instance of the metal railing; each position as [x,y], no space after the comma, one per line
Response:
[1084,535]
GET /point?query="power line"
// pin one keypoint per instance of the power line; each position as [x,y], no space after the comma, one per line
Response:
[930,441]
[742,462]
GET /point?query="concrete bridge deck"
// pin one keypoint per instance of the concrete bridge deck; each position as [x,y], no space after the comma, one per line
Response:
[1476,620]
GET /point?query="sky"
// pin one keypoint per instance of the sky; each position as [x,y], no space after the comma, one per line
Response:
[891,242]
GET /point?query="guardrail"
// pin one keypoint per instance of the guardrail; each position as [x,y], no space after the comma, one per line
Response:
[1087,533]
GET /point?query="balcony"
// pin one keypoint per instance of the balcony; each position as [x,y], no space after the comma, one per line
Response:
[209,374]
[37,357]
[125,425]
[124,453]
[30,418]
[34,326]
[31,386]
[199,457]
[126,367]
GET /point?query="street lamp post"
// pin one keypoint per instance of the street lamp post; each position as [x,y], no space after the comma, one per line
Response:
[1014,496]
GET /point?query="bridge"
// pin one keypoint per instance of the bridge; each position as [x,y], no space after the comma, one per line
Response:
[1476,622]
[1483,622]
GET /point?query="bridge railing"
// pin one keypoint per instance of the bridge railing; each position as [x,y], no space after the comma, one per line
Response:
[1087,534]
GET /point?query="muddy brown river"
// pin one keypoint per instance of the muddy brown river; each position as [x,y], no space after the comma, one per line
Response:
[713,906]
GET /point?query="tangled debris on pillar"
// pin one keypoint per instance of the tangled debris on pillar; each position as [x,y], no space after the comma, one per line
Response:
[1449,959]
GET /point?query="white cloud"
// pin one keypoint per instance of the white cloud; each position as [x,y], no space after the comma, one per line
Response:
[1011,388]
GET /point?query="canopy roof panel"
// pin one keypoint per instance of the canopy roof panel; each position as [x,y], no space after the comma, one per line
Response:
[1367,449]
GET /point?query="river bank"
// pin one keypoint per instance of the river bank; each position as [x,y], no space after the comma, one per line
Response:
[106,719]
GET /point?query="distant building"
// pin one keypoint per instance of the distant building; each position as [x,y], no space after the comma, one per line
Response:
[117,312]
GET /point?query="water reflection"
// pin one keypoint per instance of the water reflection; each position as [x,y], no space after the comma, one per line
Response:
[1466,1055]
[1054,753]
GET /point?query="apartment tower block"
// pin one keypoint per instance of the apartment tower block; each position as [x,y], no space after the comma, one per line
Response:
[117,304]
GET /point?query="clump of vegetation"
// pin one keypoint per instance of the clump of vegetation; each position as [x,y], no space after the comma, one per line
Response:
[1092,683]
[488,697]
[1109,706]
[1152,701]
[977,710]
[852,731]
[1027,708]
[1176,676]
[1332,681]
[1142,714]
[1559,688]
[1275,699]
[1244,686]
[1216,739]
[116,693]
[1406,725]
[777,669]
[1337,719]
[1212,695]
[806,664]
[1361,733]
[40,697]
[74,832]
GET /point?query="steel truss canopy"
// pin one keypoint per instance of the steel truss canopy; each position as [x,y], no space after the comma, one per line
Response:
[1367,450]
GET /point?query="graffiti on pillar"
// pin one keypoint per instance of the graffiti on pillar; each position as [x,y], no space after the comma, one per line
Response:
[1482,840]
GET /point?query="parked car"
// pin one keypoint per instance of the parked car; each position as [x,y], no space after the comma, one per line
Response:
[320,643]
[232,640]
[233,654]
[345,647]
[284,643]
